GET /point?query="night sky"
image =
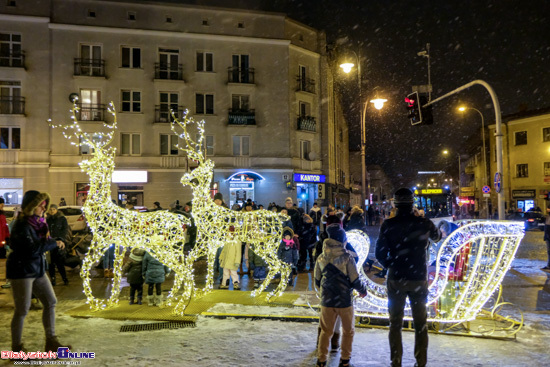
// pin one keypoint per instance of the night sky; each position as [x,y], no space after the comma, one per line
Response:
[505,43]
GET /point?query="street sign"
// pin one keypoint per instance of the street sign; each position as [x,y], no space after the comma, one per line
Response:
[486,195]
[498,179]
[486,189]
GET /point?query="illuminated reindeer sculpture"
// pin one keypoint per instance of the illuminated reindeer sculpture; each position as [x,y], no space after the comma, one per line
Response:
[160,233]
[261,229]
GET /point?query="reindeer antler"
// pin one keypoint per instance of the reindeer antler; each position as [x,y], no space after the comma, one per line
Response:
[74,130]
[193,148]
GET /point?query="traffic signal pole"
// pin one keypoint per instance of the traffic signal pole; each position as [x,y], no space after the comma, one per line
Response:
[498,134]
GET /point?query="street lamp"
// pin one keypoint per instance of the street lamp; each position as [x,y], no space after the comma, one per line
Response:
[463,109]
[378,104]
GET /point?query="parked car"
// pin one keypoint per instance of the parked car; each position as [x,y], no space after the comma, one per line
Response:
[9,212]
[75,217]
[533,219]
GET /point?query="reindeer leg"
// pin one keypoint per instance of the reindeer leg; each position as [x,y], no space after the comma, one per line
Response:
[96,251]
[115,291]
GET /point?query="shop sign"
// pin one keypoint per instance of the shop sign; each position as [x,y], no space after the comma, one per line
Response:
[129,176]
[517,194]
[243,185]
[467,190]
[240,178]
[431,191]
[547,180]
[305,177]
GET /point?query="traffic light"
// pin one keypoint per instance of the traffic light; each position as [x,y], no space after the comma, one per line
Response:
[416,113]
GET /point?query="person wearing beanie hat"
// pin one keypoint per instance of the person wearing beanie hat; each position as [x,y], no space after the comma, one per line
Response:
[288,252]
[60,230]
[336,275]
[402,248]
[135,276]
[26,268]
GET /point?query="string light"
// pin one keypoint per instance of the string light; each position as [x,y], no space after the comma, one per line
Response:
[471,264]
[261,229]
[160,233]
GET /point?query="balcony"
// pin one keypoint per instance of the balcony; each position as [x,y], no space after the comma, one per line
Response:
[240,117]
[12,105]
[90,112]
[306,85]
[168,71]
[240,75]
[89,67]
[163,113]
[13,59]
[307,123]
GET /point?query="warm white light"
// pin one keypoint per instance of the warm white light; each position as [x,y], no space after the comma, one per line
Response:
[378,103]
[347,67]
[130,176]
[462,108]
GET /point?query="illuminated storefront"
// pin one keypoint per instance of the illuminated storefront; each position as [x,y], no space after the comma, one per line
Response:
[309,188]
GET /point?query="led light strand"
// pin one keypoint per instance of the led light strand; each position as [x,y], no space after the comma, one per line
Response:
[160,233]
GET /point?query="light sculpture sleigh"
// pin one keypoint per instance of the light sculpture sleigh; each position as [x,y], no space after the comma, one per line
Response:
[470,266]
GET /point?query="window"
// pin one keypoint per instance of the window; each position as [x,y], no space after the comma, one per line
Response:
[240,25]
[168,19]
[11,101]
[305,149]
[205,22]
[91,13]
[90,62]
[11,3]
[546,134]
[86,149]
[239,102]
[522,170]
[240,69]
[131,15]
[90,105]
[10,50]
[546,169]
[130,144]
[131,101]
[204,104]
[521,137]
[131,57]
[10,138]
[205,61]
[168,144]
[168,103]
[207,144]
[241,145]
[169,67]
[305,109]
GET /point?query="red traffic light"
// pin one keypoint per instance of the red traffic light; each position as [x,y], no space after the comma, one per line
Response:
[410,102]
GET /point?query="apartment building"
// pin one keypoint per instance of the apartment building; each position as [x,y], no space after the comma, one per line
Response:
[526,159]
[260,81]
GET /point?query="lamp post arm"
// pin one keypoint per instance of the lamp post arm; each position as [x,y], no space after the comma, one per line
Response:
[498,132]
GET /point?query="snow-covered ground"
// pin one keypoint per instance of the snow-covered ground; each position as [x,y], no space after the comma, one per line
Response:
[243,342]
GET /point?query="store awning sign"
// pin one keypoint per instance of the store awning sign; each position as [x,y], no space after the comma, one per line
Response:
[306,177]
[129,176]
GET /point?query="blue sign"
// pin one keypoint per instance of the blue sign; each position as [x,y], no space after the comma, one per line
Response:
[486,189]
[498,180]
[306,177]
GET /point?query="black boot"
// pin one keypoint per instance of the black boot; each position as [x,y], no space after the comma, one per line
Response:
[139,300]
[344,363]
[52,343]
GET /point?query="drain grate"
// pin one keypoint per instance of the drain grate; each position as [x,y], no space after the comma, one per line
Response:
[157,326]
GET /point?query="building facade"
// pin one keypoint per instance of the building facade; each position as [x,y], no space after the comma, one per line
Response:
[260,81]
[526,160]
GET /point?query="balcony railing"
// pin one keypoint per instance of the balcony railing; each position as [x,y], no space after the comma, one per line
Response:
[90,112]
[306,85]
[13,59]
[307,123]
[240,117]
[89,67]
[12,105]
[164,115]
[168,71]
[240,75]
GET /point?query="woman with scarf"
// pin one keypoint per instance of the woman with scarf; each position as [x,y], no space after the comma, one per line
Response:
[26,268]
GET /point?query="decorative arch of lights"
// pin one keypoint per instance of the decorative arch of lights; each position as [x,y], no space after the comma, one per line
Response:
[470,266]
[160,233]
[216,225]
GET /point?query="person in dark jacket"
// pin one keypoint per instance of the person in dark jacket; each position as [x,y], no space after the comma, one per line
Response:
[315,214]
[336,275]
[402,249]
[295,216]
[307,243]
[547,239]
[59,229]
[356,219]
[135,277]
[26,268]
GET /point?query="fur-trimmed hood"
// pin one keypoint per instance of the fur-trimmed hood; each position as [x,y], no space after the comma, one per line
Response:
[32,199]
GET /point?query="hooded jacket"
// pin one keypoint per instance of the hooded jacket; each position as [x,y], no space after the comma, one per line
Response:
[134,267]
[153,270]
[402,245]
[336,275]
[315,214]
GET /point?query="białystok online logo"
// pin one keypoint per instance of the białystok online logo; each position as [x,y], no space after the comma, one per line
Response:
[62,353]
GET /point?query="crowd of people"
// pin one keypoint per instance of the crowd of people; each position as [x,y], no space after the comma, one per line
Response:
[314,241]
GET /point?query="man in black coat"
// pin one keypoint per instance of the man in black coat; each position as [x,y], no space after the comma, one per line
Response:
[402,249]
[547,238]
